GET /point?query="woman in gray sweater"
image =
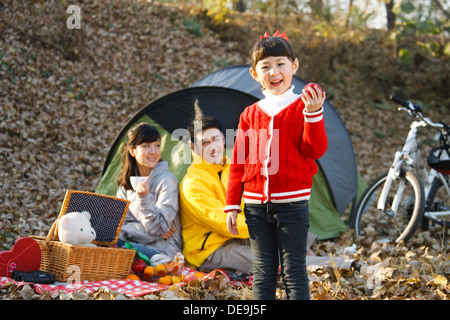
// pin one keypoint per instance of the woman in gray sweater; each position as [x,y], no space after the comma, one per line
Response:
[152,224]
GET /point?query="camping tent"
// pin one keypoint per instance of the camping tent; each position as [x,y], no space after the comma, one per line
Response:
[224,94]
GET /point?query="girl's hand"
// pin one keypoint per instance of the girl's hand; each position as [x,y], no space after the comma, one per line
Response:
[232,222]
[313,98]
[168,234]
[142,188]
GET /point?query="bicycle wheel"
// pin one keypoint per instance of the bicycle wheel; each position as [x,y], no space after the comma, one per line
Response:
[438,200]
[386,226]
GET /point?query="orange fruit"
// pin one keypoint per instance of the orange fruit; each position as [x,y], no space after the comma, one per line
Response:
[195,276]
[176,279]
[160,270]
[173,267]
[199,275]
[132,277]
[149,272]
[167,280]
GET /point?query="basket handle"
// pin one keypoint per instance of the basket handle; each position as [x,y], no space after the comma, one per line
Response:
[50,234]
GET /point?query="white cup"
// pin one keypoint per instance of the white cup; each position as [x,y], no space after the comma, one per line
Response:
[135,181]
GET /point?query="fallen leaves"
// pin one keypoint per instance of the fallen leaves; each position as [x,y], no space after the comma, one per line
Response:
[60,114]
[387,271]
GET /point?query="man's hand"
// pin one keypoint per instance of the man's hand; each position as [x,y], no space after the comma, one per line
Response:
[232,222]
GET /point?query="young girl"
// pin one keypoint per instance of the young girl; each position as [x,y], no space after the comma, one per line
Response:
[278,139]
[152,224]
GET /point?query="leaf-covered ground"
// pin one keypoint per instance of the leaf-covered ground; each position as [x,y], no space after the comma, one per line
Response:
[65,94]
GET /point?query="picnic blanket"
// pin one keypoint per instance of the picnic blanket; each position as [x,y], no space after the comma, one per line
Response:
[131,288]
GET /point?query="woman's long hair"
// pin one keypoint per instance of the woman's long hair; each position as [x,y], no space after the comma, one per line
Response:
[142,133]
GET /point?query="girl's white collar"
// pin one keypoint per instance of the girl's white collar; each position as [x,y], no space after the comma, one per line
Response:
[273,104]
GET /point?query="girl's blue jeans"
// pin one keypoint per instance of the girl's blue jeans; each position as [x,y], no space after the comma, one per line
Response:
[278,236]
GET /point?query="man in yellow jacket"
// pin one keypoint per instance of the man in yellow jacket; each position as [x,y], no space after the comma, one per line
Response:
[206,240]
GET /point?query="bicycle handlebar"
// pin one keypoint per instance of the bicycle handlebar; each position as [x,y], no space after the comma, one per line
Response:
[407,104]
[399,101]
[416,111]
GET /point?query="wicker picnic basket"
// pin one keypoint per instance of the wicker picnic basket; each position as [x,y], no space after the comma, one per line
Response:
[102,262]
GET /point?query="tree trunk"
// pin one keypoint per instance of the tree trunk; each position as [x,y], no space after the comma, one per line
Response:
[349,12]
[239,5]
[390,15]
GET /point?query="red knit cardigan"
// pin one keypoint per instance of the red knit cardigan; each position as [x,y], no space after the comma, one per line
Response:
[273,156]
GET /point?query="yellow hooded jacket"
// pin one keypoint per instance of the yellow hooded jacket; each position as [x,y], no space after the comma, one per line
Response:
[203,221]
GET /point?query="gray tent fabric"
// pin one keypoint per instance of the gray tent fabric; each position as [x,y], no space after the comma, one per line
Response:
[338,164]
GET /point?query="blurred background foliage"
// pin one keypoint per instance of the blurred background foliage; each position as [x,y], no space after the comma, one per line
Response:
[393,46]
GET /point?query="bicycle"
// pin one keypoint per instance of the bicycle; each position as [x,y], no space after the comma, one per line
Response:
[394,205]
